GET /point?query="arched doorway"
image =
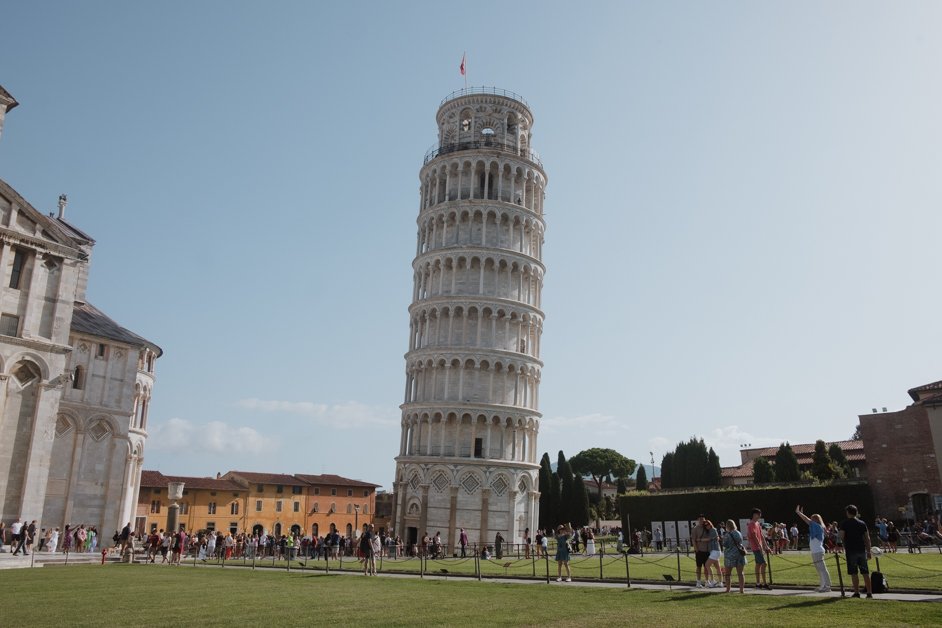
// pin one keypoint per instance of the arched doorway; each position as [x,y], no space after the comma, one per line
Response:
[277,530]
[349,530]
[296,530]
[314,531]
[258,529]
[922,505]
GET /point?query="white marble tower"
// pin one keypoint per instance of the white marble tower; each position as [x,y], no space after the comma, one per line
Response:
[468,451]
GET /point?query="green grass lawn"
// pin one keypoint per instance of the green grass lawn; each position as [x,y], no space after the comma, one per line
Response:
[134,595]
[903,571]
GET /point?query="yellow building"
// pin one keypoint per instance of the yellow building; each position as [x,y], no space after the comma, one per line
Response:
[269,503]
[207,503]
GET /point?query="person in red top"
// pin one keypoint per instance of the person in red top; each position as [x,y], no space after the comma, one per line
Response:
[759,547]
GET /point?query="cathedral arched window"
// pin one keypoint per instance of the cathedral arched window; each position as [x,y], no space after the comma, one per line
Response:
[78,378]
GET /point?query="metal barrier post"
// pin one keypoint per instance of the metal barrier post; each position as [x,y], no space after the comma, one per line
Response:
[840,576]
[601,574]
[769,561]
[678,563]
[533,560]
[546,558]
[421,566]
[627,573]
[326,561]
[477,565]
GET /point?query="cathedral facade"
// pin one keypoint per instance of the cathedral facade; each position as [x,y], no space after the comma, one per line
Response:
[470,416]
[74,384]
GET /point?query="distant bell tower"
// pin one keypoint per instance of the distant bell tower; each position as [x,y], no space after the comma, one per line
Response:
[470,417]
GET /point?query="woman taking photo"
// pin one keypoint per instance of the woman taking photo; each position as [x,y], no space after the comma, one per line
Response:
[816,541]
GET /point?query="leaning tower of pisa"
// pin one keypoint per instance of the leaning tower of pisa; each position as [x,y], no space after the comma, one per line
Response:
[470,417]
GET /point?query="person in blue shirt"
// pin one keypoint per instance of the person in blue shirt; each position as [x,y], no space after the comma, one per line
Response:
[563,534]
[816,541]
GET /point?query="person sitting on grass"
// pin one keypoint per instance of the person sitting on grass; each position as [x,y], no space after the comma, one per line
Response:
[563,534]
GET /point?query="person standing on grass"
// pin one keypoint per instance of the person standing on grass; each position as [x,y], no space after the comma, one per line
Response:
[658,539]
[563,534]
[701,546]
[816,542]
[734,556]
[856,540]
[759,547]
[53,541]
[794,536]
[463,541]
[366,550]
[712,564]
[499,545]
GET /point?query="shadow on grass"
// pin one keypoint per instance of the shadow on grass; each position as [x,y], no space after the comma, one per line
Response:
[681,597]
[806,603]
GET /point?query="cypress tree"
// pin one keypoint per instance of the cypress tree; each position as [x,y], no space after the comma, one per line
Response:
[567,495]
[714,473]
[667,470]
[839,460]
[581,515]
[762,472]
[641,480]
[546,486]
[786,464]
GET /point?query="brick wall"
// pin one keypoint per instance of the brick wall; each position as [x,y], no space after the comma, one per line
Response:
[901,459]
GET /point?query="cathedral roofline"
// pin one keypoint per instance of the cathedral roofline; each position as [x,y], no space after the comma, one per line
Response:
[88,319]
[7,96]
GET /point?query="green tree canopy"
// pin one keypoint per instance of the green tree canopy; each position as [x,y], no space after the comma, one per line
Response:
[600,463]
[762,472]
[786,464]
[667,470]
[641,480]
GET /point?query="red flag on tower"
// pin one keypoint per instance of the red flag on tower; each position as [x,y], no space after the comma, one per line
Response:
[462,64]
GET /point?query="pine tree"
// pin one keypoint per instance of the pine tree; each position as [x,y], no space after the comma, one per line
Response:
[762,472]
[786,464]
[620,487]
[641,480]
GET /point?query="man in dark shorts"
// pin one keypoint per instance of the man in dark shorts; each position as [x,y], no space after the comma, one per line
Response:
[856,539]
[701,546]
[759,547]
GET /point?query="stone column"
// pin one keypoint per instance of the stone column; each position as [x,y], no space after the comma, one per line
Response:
[485,512]
[452,521]
[423,520]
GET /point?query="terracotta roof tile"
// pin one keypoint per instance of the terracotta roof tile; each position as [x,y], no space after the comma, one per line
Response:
[156,479]
[333,480]
[267,478]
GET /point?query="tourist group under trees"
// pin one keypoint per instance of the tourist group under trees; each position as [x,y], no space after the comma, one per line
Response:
[564,497]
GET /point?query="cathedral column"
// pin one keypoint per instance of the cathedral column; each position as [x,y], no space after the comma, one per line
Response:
[452,522]
[485,514]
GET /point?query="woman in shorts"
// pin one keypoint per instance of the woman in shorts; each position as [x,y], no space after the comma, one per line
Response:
[712,565]
[734,555]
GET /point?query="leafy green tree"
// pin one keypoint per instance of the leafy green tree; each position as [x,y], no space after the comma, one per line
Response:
[714,473]
[786,464]
[556,502]
[581,515]
[856,435]
[600,463]
[762,472]
[839,459]
[641,480]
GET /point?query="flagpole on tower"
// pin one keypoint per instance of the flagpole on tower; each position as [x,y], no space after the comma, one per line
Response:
[463,69]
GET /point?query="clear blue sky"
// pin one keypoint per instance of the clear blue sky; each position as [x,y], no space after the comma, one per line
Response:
[742,213]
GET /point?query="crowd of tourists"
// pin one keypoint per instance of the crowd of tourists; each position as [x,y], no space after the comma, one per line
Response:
[22,537]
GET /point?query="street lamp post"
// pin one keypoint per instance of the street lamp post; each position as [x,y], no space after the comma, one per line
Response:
[356,521]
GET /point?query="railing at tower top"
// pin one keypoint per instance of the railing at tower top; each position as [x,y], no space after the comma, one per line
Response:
[485,144]
[496,91]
